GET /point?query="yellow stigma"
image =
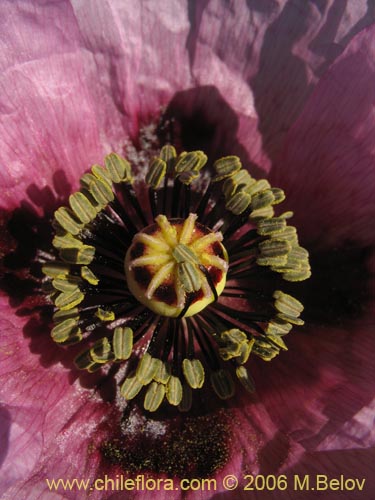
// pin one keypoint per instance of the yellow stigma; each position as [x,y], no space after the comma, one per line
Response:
[176,267]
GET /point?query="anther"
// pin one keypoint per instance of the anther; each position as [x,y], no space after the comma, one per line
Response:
[194,372]
[174,391]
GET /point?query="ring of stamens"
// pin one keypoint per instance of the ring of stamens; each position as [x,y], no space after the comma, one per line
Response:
[106,243]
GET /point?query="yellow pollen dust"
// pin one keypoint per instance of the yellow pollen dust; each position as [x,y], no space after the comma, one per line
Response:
[176,267]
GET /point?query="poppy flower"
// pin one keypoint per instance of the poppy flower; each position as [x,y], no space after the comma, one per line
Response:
[243,80]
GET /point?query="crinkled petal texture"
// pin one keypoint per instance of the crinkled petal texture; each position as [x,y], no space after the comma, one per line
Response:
[50,425]
[319,398]
[79,79]
[48,125]
[267,56]
[329,158]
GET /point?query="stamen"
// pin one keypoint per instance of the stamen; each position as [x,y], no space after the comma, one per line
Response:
[65,330]
[187,399]
[122,342]
[156,174]
[101,351]
[146,369]
[194,372]
[222,383]
[163,372]
[174,391]
[118,168]
[245,378]
[131,387]
[82,208]
[226,167]
[68,221]
[154,396]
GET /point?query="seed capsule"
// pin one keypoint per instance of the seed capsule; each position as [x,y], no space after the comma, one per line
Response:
[182,262]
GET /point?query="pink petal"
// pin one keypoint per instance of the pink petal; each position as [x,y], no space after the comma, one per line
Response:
[49,421]
[328,163]
[80,93]
[275,53]
[136,59]
[310,412]
[47,120]
[314,408]
[143,66]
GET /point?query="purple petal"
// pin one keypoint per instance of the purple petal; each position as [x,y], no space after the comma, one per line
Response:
[266,57]
[72,93]
[49,423]
[136,59]
[328,165]
[47,121]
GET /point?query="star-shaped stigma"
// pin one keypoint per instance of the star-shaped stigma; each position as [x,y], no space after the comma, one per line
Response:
[176,267]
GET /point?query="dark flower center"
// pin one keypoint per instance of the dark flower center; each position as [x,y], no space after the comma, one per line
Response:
[187,277]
